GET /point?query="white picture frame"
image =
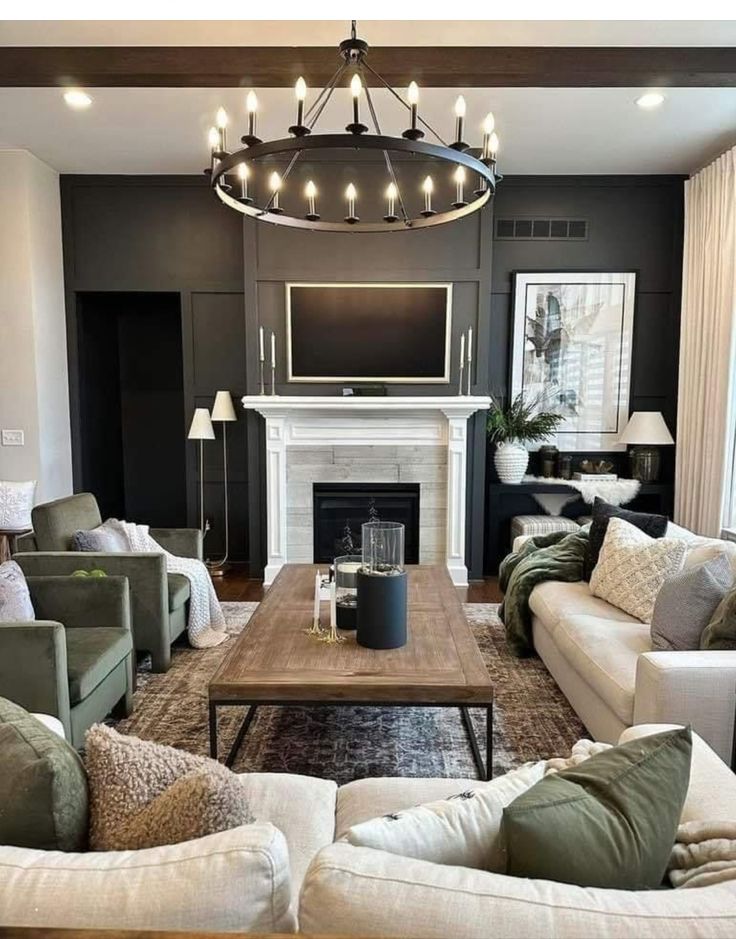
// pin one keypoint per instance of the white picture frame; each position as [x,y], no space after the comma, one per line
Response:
[443,379]
[572,337]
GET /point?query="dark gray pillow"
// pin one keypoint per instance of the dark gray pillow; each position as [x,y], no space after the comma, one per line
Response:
[653,525]
[103,538]
[686,603]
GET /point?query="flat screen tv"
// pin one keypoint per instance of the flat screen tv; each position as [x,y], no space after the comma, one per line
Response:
[368,332]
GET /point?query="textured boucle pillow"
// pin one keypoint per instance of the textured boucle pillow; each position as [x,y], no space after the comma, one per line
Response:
[686,604]
[632,568]
[105,538]
[15,598]
[144,794]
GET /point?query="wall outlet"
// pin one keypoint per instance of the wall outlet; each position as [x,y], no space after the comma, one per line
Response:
[13,438]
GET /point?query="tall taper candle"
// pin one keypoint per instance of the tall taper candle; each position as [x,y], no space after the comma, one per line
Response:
[470,356]
[260,344]
[317,586]
[273,362]
[333,607]
[462,349]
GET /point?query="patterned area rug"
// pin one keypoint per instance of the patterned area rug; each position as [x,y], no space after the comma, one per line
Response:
[532,719]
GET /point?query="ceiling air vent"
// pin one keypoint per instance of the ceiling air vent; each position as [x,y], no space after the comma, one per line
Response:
[541,229]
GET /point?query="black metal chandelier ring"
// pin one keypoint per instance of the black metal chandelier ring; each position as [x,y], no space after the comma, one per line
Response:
[227,163]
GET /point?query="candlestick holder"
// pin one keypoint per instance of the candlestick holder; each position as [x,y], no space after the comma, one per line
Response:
[390,218]
[273,379]
[352,219]
[469,370]
[263,387]
[460,381]
[299,130]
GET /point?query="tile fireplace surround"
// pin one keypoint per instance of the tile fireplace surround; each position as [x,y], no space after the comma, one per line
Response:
[315,439]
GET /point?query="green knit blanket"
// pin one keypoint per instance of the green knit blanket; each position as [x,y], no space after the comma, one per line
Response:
[556,556]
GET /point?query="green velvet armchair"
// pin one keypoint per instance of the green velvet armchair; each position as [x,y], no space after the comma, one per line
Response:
[75,660]
[158,601]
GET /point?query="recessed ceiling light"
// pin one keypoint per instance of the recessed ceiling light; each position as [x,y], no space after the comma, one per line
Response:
[77,99]
[650,100]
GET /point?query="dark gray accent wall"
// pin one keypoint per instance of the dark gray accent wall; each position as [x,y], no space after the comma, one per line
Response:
[170,234]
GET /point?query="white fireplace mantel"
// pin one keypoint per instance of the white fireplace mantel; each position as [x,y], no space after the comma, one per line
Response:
[314,420]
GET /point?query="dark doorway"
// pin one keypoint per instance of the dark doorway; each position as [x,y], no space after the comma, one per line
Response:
[131,395]
[341,508]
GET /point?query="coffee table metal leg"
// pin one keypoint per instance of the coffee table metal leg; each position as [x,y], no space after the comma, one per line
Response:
[485,769]
[213,730]
[247,721]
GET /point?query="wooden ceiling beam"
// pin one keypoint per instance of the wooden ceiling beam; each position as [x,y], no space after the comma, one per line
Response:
[436,67]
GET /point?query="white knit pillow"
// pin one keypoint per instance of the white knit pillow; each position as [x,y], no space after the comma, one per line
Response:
[632,567]
[16,502]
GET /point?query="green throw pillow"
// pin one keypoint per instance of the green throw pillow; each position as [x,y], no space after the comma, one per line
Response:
[43,786]
[608,822]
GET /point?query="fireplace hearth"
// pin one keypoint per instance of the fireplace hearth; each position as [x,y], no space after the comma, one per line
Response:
[341,508]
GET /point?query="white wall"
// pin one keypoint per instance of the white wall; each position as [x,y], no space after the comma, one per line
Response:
[34,394]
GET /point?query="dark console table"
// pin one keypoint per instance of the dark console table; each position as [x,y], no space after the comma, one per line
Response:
[505,500]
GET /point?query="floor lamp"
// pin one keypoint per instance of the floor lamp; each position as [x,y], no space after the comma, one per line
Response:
[224,412]
[201,429]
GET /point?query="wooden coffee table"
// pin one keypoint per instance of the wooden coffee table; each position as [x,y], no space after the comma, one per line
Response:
[274,662]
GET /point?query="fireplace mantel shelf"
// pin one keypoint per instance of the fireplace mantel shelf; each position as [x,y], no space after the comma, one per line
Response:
[305,422]
[449,405]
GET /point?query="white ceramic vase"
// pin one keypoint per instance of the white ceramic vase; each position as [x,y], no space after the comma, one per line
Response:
[511,460]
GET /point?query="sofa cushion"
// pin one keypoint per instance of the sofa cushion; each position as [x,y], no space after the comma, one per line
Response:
[361,892]
[464,828]
[54,523]
[609,822]
[653,525]
[15,598]
[302,807]
[144,794]
[43,787]
[236,880]
[91,654]
[179,590]
[686,603]
[632,567]
[552,600]
[604,653]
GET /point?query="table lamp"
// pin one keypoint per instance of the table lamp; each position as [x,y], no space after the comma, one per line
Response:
[647,432]
[223,411]
[201,429]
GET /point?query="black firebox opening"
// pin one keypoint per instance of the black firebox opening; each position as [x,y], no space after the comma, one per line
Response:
[341,508]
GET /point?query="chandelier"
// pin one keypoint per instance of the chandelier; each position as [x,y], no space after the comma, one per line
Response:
[233,173]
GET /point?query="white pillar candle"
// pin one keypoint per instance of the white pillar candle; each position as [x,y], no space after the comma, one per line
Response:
[462,349]
[317,587]
[470,344]
[260,343]
[273,349]
[333,606]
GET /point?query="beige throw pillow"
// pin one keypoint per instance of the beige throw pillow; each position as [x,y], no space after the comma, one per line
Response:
[143,794]
[632,567]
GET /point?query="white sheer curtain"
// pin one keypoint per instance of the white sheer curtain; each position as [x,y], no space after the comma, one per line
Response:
[707,390]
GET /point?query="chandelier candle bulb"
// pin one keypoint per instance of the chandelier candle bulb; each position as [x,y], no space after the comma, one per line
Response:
[301,94]
[351,195]
[428,188]
[274,183]
[310,191]
[493,146]
[459,121]
[459,177]
[413,95]
[251,106]
[222,122]
[355,88]
[243,174]
[488,124]
[391,194]
[213,139]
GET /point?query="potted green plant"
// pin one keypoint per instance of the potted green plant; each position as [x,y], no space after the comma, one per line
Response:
[520,422]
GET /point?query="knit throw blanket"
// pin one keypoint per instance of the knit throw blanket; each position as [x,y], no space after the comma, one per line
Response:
[206,624]
[556,556]
[704,854]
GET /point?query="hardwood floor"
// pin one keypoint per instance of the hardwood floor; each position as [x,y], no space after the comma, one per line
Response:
[237,586]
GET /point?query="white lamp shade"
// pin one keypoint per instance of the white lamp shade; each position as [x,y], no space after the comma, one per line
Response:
[646,427]
[201,427]
[223,409]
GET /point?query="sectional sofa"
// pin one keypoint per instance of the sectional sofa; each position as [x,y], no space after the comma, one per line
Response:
[293,871]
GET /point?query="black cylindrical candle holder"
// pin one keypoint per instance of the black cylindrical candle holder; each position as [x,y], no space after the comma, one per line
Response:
[382,610]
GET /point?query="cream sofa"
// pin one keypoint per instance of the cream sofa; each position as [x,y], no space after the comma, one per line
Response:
[602,660]
[291,871]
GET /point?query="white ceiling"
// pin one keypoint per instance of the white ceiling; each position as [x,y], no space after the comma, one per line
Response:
[377,32]
[542,130]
